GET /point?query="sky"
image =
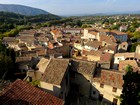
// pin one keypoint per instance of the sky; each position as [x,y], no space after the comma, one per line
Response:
[79,7]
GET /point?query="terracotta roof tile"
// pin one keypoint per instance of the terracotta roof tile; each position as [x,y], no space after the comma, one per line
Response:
[110,77]
[93,33]
[57,33]
[123,64]
[83,67]
[55,71]
[22,93]
[95,44]
[95,53]
[106,57]
[109,39]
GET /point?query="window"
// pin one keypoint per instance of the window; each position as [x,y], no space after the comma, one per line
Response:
[114,89]
[100,98]
[30,79]
[72,75]
[115,101]
[102,85]
[94,92]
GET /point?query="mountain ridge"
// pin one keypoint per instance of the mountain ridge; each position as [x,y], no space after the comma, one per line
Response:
[23,10]
[106,13]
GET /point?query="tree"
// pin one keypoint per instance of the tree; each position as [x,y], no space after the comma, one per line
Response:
[35,83]
[136,34]
[115,27]
[131,87]
[79,23]
[6,62]
[85,26]
[133,47]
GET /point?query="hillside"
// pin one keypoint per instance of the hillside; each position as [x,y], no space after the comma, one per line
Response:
[6,17]
[23,10]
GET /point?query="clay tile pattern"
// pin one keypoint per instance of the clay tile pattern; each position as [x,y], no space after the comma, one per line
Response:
[123,64]
[22,93]
[105,57]
[55,71]
[83,67]
[112,78]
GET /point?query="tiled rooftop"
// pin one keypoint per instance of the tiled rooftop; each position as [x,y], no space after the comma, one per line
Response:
[123,64]
[55,71]
[83,67]
[95,44]
[109,77]
[127,54]
[22,93]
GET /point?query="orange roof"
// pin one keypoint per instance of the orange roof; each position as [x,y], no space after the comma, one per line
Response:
[21,92]
[112,78]
[106,57]
[109,39]
[50,45]
[123,64]
[55,31]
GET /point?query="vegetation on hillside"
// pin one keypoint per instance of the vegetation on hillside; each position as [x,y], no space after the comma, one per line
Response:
[6,17]
[11,23]
[7,60]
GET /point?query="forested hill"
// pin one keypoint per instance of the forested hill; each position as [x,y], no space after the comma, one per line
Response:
[7,17]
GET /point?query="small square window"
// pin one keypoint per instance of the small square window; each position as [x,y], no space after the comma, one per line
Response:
[94,92]
[114,89]
[102,85]
[115,101]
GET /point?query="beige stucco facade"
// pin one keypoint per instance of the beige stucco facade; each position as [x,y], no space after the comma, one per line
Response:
[88,35]
[106,91]
[51,88]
